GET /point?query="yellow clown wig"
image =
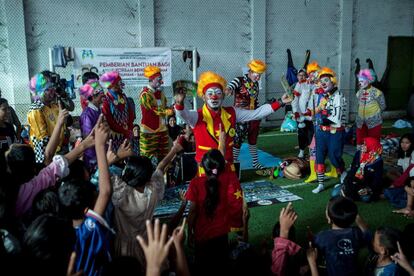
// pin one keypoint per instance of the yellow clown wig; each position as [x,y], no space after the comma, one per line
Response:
[325,71]
[312,67]
[257,66]
[151,72]
[210,79]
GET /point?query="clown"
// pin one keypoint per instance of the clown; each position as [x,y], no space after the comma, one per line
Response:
[118,110]
[93,92]
[43,115]
[206,121]
[330,118]
[154,133]
[246,93]
[371,104]
[302,92]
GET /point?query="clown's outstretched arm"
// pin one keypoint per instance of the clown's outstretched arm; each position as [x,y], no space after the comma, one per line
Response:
[243,115]
[189,117]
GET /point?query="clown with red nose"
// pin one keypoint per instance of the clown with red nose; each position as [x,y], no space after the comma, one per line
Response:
[154,133]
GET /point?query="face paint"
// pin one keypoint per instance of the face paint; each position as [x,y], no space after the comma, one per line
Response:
[157,82]
[49,95]
[313,77]
[214,98]
[326,84]
[363,83]
[254,76]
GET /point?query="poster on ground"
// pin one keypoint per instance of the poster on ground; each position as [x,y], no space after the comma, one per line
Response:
[129,62]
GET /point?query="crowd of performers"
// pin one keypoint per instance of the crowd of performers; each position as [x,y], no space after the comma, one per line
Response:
[319,108]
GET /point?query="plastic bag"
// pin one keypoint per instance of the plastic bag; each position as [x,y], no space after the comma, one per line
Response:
[289,124]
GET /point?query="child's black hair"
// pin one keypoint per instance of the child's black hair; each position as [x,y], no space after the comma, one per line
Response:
[123,265]
[342,211]
[89,76]
[213,163]
[75,196]
[138,171]
[401,153]
[388,238]
[21,162]
[3,101]
[48,243]
[407,241]
[46,202]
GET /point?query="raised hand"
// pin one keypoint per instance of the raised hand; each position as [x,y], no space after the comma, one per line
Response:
[63,114]
[287,218]
[157,248]
[125,150]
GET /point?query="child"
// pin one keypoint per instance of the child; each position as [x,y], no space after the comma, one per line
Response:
[212,213]
[400,194]
[284,246]
[174,130]
[21,162]
[405,162]
[136,193]
[340,244]
[7,134]
[384,245]
[364,179]
[92,231]
[93,92]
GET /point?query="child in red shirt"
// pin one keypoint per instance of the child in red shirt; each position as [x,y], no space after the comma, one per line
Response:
[210,214]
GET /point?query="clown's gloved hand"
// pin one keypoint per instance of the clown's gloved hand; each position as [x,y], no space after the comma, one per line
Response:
[322,103]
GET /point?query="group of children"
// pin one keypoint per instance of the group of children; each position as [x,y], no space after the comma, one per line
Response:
[57,222]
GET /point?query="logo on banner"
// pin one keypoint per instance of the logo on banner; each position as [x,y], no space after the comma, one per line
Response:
[87,53]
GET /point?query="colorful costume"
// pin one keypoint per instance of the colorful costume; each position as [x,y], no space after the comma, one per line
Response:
[371,103]
[302,92]
[41,118]
[205,122]
[246,92]
[88,119]
[154,133]
[330,120]
[118,110]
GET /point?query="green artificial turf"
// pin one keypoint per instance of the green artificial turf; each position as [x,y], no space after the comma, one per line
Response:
[310,210]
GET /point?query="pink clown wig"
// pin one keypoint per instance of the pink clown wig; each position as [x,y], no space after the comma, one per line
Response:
[367,74]
[38,85]
[92,87]
[108,79]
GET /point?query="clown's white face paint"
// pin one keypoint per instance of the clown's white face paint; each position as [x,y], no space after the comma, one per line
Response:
[214,98]
[363,83]
[254,76]
[326,84]
[313,77]
[301,76]
[157,82]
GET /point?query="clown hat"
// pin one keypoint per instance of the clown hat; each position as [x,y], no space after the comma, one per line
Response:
[257,66]
[312,67]
[92,87]
[108,79]
[210,79]
[329,72]
[368,74]
[151,72]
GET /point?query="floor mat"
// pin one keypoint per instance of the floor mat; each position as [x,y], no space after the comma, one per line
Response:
[257,193]
[266,159]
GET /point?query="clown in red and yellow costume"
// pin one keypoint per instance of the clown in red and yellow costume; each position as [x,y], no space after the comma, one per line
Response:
[153,103]
[207,120]
[246,93]
[117,109]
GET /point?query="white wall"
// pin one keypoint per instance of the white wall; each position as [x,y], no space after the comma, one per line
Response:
[226,33]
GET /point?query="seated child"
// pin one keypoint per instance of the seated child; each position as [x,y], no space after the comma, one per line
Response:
[340,244]
[384,246]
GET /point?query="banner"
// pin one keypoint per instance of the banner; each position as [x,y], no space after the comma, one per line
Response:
[129,62]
